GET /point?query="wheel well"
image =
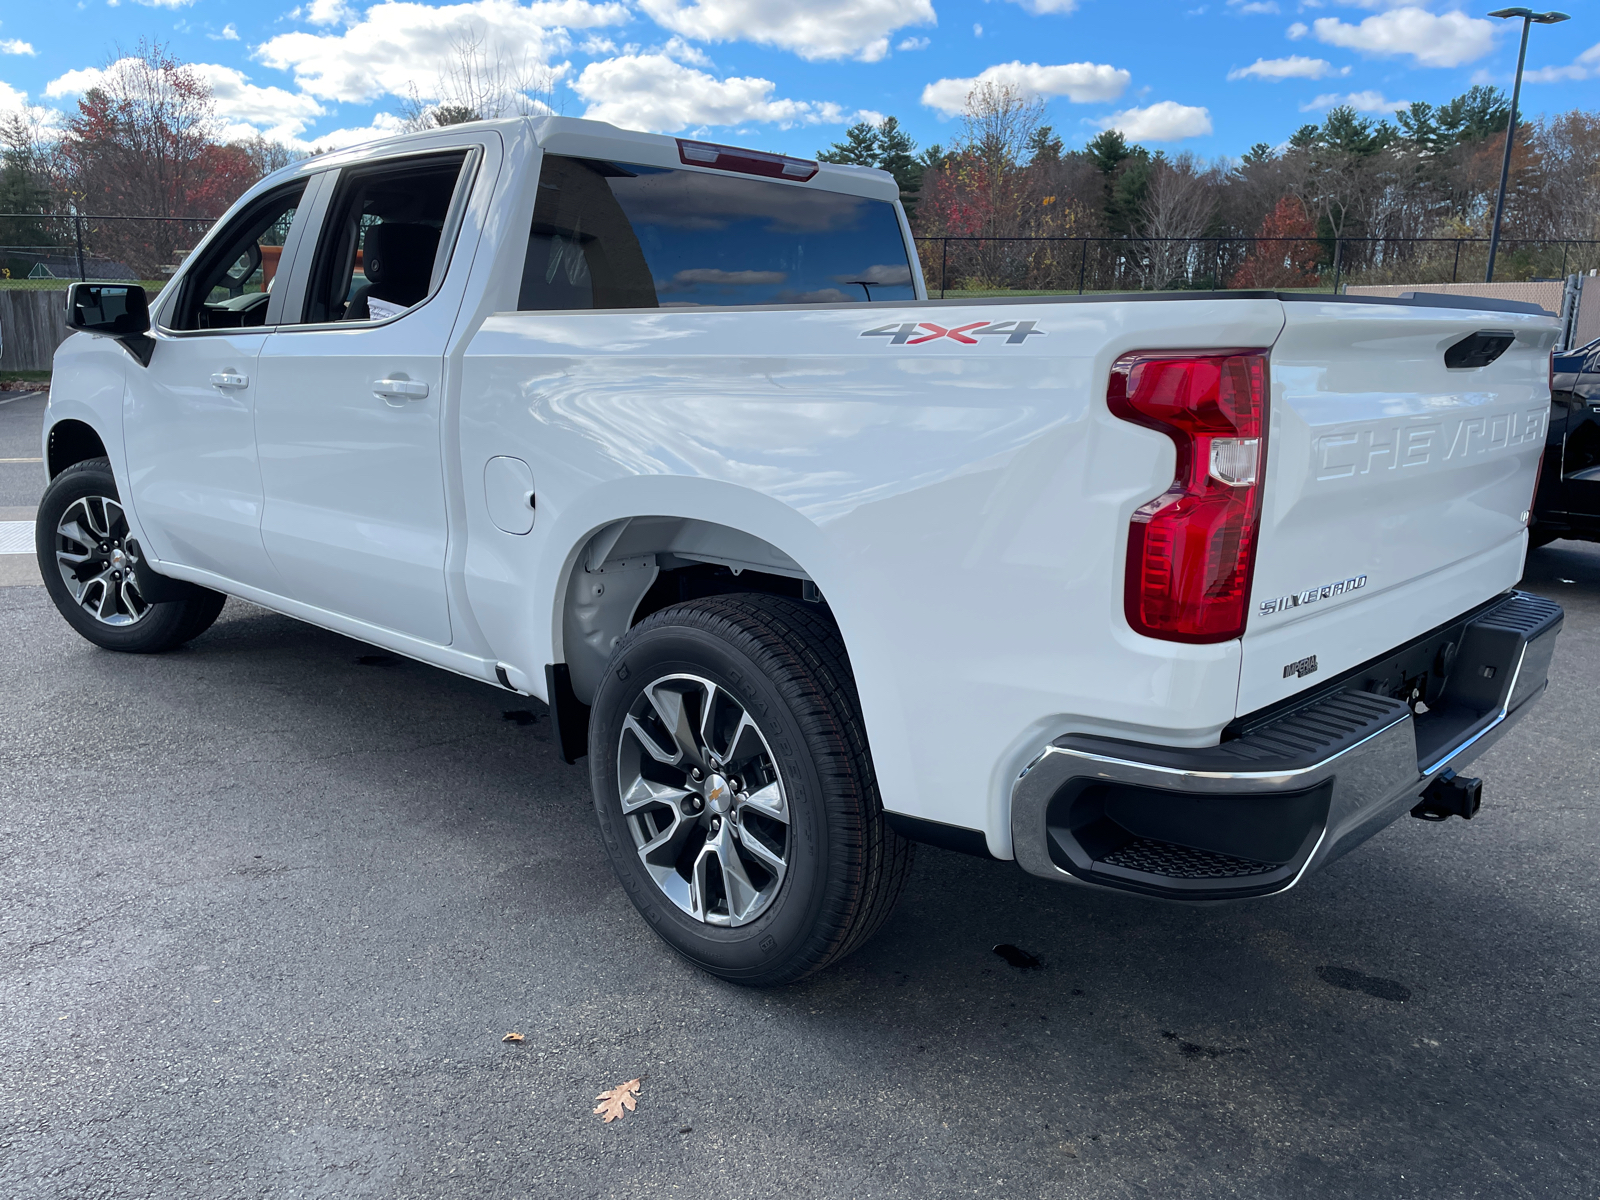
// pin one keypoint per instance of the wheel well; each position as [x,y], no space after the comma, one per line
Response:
[72,442]
[634,567]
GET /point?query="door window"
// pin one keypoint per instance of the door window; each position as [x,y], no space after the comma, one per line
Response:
[620,235]
[380,249]
[231,285]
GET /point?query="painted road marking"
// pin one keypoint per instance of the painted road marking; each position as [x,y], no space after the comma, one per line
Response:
[16,537]
[6,460]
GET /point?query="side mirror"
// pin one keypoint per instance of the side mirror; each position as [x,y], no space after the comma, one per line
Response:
[117,309]
[246,265]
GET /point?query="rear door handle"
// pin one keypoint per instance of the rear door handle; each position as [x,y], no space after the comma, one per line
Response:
[227,379]
[400,389]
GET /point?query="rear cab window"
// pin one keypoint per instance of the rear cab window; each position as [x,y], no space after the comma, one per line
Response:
[624,235]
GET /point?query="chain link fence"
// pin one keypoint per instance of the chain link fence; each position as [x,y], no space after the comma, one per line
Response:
[46,251]
[959,267]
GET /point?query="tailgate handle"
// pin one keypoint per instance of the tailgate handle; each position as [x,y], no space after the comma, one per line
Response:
[1479,349]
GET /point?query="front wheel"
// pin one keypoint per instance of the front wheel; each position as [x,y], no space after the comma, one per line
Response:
[735,789]
[91,568]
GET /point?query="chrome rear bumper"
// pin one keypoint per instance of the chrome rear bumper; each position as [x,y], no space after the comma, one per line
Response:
[1257,813]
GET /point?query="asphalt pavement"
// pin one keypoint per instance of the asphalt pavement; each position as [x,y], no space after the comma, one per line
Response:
[268,905]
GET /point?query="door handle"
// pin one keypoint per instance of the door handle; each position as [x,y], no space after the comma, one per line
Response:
[227,379]
[400,389]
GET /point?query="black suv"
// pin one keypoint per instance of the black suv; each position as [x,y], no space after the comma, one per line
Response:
[1567,502]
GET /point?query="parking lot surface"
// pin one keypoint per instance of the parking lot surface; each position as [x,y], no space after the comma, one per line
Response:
[271,902]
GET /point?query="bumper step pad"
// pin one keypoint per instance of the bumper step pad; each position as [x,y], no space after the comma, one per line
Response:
[1150,857]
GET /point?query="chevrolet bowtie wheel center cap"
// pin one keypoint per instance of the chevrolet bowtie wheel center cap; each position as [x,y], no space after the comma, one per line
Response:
[718,794]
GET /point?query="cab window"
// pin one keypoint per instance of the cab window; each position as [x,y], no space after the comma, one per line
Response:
[231,285]
[379,251]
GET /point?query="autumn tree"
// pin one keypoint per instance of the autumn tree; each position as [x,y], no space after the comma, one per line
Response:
[1286,254]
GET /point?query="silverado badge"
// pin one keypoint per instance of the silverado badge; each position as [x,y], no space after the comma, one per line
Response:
[1311,596]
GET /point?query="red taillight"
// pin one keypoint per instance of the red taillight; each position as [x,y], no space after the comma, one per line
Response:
[747,162]
[1191,550]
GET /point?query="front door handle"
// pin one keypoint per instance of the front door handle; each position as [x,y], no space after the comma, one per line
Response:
[227,379]
[400,389]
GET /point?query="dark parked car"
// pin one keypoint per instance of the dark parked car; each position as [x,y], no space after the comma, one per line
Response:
[1567,502]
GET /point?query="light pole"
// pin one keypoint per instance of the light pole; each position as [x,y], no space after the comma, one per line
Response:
[1528,18]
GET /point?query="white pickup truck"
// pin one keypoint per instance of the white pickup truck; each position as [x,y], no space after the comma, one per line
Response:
[1182,594]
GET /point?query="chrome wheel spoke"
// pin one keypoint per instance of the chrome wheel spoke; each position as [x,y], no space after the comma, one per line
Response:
[106,607]
[769,802]
[671,759]
[73,531]
[647,791]
[700,884]
[742,894]
[673,713]
[759,850]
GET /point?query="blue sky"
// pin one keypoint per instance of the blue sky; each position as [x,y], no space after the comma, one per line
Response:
[1210,76]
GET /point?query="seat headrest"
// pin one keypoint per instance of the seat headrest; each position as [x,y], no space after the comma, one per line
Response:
[399,255]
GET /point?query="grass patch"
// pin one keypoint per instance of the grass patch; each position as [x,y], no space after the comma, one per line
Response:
[24,376]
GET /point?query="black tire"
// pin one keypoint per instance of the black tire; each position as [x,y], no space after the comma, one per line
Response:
[146,628]
[784,664]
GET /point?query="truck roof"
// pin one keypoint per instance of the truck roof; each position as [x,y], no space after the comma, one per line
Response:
[600,139]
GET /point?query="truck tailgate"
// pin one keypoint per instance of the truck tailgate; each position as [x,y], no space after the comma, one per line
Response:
[1397,487]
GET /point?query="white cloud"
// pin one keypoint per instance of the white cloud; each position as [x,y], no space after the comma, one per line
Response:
[243,107]
[228,34]
[977,30]
[1446,40]
[1368,102]
[383,125]
[870,116]
[1166,121]
[396,45]
[1253,7]
[652,92]
[815,29]
[914,43]
[682,51]
[1585,66]
[1041,7]
[74,83]
[1297,31]
[1296,66]
[12,100]
[15,46]
[325,12]
[156,3]
[1082,83]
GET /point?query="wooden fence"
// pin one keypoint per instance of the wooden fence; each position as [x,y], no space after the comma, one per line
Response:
[32,325]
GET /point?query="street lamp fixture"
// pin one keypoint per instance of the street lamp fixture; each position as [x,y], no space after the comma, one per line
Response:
[1529,19]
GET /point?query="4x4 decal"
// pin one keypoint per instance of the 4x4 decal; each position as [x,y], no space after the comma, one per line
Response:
[915,333]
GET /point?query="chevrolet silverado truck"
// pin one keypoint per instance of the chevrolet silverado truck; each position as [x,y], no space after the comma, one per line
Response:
[1180,595]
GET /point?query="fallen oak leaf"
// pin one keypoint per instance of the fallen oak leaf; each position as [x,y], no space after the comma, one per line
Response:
[616,1102]
[513,1037]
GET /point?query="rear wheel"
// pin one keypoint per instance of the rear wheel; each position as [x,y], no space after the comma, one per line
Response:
[91,568]
[735,789]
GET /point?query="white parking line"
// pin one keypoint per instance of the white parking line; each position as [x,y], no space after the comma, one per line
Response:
[6,460]
[16,537]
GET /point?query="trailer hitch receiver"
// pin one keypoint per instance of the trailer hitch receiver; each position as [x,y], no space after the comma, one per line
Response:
[1450,795]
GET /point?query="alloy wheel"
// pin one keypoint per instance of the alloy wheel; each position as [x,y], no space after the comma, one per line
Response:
[96,560]
[704,801]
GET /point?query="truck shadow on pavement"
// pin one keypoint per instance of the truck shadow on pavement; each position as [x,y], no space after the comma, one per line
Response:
[390,859]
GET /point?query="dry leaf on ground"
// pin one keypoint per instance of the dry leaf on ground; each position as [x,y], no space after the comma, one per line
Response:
[614,1100]
[513,1037]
